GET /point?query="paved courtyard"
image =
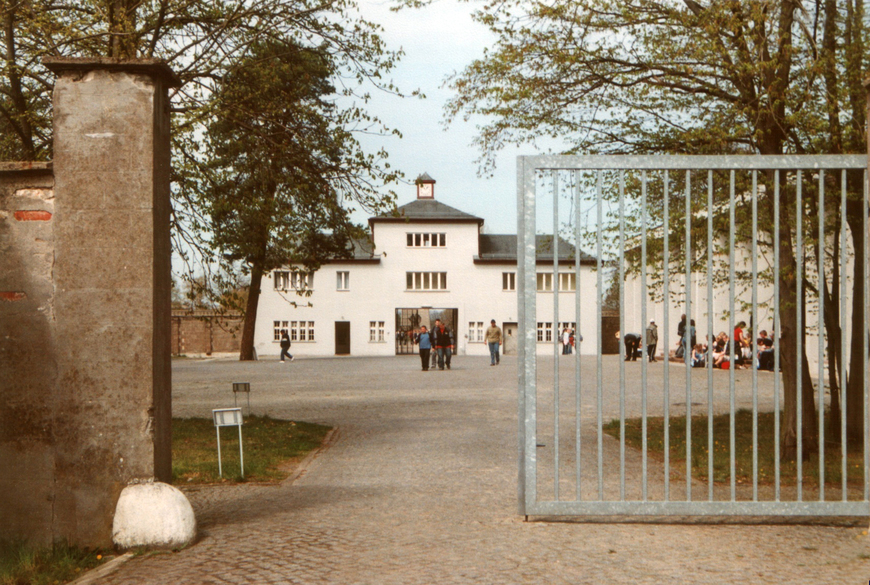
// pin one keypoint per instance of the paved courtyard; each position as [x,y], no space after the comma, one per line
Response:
[419,486]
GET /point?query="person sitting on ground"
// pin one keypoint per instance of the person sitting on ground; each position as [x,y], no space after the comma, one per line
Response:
[765,351]
[721,350]
[699,359]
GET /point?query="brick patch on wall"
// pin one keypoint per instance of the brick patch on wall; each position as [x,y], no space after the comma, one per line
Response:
[12,296]
[32,215]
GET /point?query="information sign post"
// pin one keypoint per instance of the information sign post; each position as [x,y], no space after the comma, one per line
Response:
[228,417]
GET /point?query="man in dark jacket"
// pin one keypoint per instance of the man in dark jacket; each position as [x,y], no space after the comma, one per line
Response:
[285,345]
[443,344]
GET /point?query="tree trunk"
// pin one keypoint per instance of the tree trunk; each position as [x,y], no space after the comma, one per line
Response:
[246,353]
[794,365]
[854,402]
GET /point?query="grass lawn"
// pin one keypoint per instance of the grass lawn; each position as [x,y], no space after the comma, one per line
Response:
[271,448]
[743,449]
[24,565]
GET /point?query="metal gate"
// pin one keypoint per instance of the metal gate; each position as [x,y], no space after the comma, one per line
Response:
[769,241]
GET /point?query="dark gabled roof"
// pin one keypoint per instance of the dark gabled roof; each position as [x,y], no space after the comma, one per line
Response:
[427,210]
[503,248]
[362,250]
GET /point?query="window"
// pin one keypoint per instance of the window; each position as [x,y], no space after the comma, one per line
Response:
[421,240]
[545,331]
[376,331]
[301,330]
[426,280]
[342,280]
[545,282]
[295,279]
[475,332]
[509,281]
[567,281]
[279,325]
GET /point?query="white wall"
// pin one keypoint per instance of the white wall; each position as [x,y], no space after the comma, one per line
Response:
[378,289]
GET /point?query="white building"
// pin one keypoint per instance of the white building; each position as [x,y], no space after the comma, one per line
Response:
[429,261]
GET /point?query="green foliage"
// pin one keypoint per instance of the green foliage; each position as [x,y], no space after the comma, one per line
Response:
[270,445]
[282,161]
[21,564]
[645,76]
[204,41]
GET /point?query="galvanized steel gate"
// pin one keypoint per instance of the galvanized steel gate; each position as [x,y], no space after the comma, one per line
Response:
[688,217]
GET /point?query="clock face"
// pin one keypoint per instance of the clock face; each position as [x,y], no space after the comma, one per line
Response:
[424,190]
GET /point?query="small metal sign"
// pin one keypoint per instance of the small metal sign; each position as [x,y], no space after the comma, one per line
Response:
[243,387]
[228,417]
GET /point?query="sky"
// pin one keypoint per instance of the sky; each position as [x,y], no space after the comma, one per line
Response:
[439,40]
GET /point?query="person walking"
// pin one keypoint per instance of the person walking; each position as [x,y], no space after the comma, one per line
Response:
[652,340]
[424,341]
[493,339]
[285,345]
[443,344]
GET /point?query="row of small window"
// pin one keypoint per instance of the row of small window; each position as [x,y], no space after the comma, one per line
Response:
[426,280]
[297,330]
[296,280]
[427,240]
[304,330]
[567,281]
[545,330]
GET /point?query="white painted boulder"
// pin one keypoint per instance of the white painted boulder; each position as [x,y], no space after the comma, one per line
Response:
[153,515]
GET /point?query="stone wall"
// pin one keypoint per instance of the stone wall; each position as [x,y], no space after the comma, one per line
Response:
[85,388]
[28,371]
[198,333]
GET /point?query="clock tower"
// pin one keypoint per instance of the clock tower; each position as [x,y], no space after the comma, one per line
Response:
[425,187]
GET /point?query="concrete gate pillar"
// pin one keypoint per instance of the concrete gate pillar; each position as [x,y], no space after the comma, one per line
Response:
[112,404]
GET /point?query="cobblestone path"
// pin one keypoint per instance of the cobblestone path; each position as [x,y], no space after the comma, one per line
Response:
[419,487]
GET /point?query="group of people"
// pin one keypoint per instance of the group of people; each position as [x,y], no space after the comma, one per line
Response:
[747,353]
[633,341]
[441,340]
[568,340]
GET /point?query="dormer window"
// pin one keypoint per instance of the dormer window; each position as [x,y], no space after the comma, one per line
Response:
[427,240]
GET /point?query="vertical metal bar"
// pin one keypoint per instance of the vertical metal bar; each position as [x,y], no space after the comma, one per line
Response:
[866,345]
[732,405]
[754,341]
[799,245]
[241,454]
[776,348]
[622,329]
[600,300]
[821,338]
[557,335]
[528,334]
[687,352]
[666,260]
[644,326]
[844,335]
[521,345]
[709,355]
[577,329]
[220,466]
